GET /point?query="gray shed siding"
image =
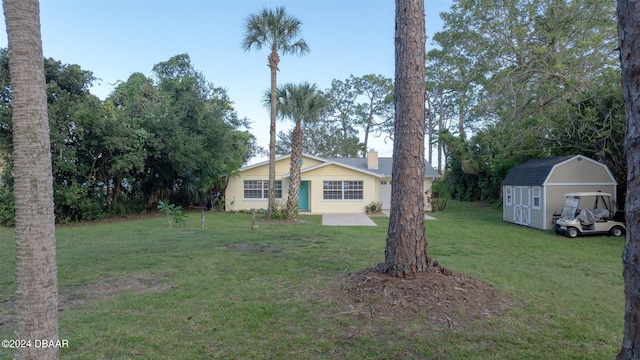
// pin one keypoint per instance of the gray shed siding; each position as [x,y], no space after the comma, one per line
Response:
[553,178]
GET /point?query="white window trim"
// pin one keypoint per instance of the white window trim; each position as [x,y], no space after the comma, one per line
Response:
[265,191]
[533,197]
[508,195]
[342,190]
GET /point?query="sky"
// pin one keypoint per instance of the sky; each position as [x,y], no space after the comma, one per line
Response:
[116,38]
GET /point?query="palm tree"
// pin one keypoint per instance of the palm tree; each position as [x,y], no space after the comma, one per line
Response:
[279,32]
[298,102]
[36,275]
[406,250]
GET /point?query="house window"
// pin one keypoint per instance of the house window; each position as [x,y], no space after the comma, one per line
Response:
[383,182]
[259,189]
[536,197]
[508,195]
[342,190]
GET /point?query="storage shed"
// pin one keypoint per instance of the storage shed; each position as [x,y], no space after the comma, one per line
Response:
[532,192]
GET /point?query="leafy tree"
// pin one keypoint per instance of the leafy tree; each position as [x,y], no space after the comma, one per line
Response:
[36,272]
[541,82]
[406,249]
[364,103]
[342,101]
[629,33]
[439,102]
[322,138]
[71,111]
[197,137]
[176,137]
[375,112]
[280,33]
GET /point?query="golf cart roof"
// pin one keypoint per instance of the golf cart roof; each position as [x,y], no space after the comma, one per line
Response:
[587,193]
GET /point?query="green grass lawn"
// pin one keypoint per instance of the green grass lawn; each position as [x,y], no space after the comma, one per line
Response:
[137,289]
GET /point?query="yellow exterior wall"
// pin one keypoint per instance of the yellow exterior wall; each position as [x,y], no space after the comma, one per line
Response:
[338,173]
[427,189]
[234,195]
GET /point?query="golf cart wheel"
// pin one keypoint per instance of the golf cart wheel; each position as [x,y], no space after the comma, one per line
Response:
[572,232]
[616,231]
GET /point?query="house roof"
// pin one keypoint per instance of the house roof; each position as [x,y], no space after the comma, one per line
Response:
[385,166]
[358,164]
[535,172]
[337,163]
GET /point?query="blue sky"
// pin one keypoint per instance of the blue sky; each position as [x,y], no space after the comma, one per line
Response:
[114,39]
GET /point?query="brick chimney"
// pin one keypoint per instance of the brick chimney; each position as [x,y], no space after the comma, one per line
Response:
[372,159]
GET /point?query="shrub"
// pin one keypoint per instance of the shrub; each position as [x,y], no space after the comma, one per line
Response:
[373,207]
[174,213]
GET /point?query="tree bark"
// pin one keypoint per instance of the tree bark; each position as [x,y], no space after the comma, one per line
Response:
[273,59]
[36,303]
[406,250]
[629,43]
[294,171]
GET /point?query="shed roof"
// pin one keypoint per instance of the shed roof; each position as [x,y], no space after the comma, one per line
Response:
[532,172]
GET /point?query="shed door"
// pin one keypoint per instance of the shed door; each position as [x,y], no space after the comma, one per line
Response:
[522,205]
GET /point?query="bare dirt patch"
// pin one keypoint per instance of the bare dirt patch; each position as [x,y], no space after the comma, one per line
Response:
[448,300]
[77,295]
[107,287]
[254,248]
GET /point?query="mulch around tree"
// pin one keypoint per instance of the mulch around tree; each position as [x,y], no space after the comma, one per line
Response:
[447,300]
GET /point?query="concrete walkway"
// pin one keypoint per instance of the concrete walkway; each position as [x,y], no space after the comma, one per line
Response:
[343,219]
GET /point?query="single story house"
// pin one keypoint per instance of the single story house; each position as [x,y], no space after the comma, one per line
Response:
[533,191]
[339,185]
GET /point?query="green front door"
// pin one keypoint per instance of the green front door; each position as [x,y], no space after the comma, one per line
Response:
[303,197]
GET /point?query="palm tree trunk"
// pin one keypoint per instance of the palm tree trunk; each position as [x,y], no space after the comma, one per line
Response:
[273,59]
[294,172]
[36,303]
[629,44]
[406,250]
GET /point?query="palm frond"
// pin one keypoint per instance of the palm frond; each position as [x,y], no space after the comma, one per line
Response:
[274,29]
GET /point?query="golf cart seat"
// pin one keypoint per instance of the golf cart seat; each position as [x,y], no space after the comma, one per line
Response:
[601,214]
[586,217]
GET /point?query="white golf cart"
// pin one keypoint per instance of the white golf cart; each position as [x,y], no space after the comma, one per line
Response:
[579,219]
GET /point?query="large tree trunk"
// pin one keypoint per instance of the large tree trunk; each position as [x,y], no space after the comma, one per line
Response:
[629,42]
[36,303]
[406,251]
[273,59]
[294,171]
